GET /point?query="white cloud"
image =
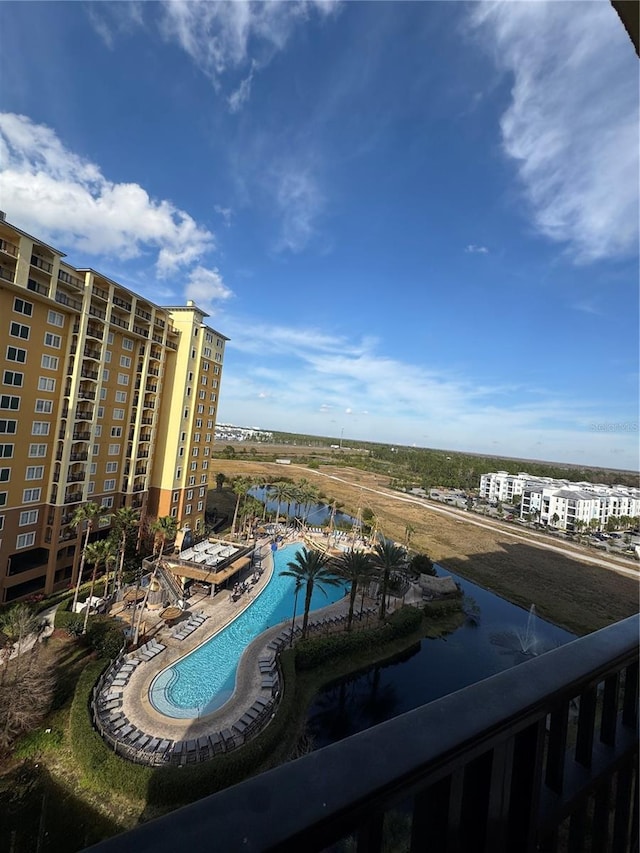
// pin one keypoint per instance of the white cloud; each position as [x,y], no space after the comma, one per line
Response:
[572,123]
[300,202]
[79,208]
[206,288]
[220,37]
[225,212]
[476,250]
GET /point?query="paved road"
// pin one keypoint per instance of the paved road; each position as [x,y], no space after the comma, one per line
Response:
[462,516]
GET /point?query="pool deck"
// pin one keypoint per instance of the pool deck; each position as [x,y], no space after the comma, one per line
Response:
[220,611]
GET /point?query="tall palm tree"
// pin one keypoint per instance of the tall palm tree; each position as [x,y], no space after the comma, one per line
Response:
[164,530]
[240,486]
[310,566]
[124,521]
[355,566]
[279,492]
[96,553]
[87,513]
[307,495]
[387,557]
[298,587]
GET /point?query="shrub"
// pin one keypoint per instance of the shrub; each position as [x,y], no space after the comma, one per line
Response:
[421,564]
[405,621]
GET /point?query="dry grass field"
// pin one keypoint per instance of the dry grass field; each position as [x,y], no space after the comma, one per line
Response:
[565,588]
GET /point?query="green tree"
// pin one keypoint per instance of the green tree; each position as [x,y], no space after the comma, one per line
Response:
[356,567]
[279,493]
[311,567]
[84,515]
[240,486]
[555,518]
[164,530]
[387,557]
[220,478]
[124,521]
[96,553]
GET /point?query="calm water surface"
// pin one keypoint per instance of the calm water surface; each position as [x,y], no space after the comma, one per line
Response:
[433,668]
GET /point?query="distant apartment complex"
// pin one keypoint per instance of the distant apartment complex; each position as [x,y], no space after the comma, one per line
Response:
[229,432]
[562,503]
[104,397]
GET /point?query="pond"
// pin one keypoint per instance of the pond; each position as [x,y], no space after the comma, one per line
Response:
[497,636]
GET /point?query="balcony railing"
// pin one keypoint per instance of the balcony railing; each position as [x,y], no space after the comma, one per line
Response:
[140,331]
[88,374]
[7,274]
[79,436]
[36,287]
[9,248]
[40,263]
[73,280]
[498,767]
[121,303]
[63,299]
[144,315]
[98,291]
[172,345]
[118,322]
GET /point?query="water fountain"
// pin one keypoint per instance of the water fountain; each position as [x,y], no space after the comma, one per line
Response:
[525,643]
[529,640]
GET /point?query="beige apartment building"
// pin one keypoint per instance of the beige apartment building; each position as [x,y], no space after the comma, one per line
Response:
[105,397]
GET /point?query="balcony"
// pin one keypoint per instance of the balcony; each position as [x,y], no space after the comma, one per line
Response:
[159,323]
[142,454]
[86,394]
[121,303]
[89,352]
[157,338]
[153,371]
[497,767]
[144,315]
[118,322]
[172,345]
[151,388]
[7,274]
[76,478]
[84,415]
[73,280]
[98,291]
[41,264]
[140,331]
[94,332]
[9,248]
[97,312]
[63,299]
[81,435]
[156,353]
[73,498]
[86,373]
[146,421]
[35,287]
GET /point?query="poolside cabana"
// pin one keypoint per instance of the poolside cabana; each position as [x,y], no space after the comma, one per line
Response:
[215,578]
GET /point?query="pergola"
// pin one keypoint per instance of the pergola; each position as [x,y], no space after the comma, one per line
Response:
[216,578]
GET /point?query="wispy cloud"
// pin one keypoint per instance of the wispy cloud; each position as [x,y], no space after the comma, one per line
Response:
[207,288]
[300,204]
[80,208]
[572,133]
[472,249]
[225,37]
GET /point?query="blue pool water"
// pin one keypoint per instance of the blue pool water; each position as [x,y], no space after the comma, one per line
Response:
[204,680]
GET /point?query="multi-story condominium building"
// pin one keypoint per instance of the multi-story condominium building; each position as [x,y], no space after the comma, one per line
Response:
[105,397]
[562,503]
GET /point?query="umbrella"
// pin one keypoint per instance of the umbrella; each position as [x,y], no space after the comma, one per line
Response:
[133,595]
[170,613]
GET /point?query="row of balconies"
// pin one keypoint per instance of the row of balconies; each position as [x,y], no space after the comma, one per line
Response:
[9,248]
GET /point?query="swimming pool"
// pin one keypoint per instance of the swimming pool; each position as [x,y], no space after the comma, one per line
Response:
[205,679]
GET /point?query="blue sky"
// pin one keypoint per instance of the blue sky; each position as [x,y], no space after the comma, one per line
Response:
[416,222]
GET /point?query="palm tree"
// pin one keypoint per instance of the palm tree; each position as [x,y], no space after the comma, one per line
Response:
[124,521]
[279,492]
[298,587]
[96,553]
[310,567]
[164,530]
[86,513]
[307,495]
[240,486]
[355,566]
[409,530]
[388,557]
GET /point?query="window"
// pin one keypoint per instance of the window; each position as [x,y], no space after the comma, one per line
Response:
[178,473]
[193,353]
[103,393]
[123,379]
[93,468]
[116,432]
[188,391]
[195,451]
[34,472]
[29,516]
[8,427]
[92,488]
[203,380]
[121,396]
[110,338]
[186,413]
[31,496]
[44,407]
[200,409]
[107,356]
[17,330]
[198,423]
[190,375]
[174,497]
[25,540]
[207,352]
[118,414]
[187,509]
[109,485]
[3,498]
[212,396]
[196,437]
[209,426]
[205,465]
[202,395]
[111,468]
[201,493]
[1,523]
[6,451]
[212,410]
[55,318]
[20,306]
[46,384]
[37,450]
[125,361]
[194,466]
[174,512]
[51,340]
[105,374]
[10,377]
[9,402]
[100,411]
[206,451]
[95,449]
[205,367]
[16,354]
[49,362]
[104,521]
[127,344]
[114,450]
[192,480]
[98,430]
[183,436]
[40,428]
[5,473]
[190,494]
[200,505]
[181,452]
[107,502]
